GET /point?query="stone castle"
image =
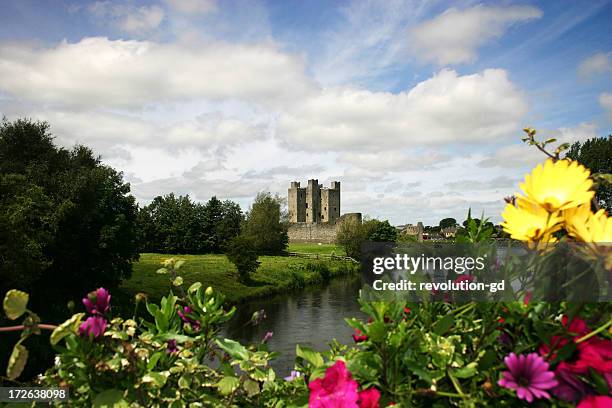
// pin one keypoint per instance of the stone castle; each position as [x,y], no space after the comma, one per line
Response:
[314,212]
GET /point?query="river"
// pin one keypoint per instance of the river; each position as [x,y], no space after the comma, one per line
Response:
[311,317]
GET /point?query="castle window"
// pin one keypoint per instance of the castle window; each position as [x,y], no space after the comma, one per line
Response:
[306,205]
[323,217]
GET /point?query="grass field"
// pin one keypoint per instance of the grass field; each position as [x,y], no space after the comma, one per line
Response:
[316,248]
[275,274]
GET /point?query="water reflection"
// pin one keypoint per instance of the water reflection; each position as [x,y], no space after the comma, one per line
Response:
[311,317]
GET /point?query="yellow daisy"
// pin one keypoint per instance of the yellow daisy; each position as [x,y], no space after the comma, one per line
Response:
[529,222]
[558,185]
[588,227]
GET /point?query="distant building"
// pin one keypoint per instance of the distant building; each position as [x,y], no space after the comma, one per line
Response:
[314,203]
[415,231]
[314,212]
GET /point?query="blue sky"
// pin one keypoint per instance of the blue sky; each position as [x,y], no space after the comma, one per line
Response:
[416,106]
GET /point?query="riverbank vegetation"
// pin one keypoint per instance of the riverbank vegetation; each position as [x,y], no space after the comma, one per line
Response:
[275,274]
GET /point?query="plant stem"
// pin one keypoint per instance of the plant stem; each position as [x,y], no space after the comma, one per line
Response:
[594,332]
[22,327]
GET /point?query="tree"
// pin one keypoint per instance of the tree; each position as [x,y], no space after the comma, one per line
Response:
[67,222]
[351,234]
[448,222]
[241,252]
[176,224]
[264,226]
[380,231]
[596,155]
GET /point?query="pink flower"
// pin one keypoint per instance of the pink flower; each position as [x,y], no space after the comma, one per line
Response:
[93,326]
[336,390]
[171,347]
[369,398]
[359,336]
[570,387]
[595,353]
[528,375]
[97,302]
[596,401]
[267,336]
[195,325]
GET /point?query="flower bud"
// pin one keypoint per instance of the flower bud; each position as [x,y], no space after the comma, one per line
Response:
[209,291]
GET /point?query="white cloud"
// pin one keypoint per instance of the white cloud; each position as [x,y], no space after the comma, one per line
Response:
[446,108]
[605,100]
[381,162]
[454,36]
[600,63]
[193,6]
[102,72]
[130,19]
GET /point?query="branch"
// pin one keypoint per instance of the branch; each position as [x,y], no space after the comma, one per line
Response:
[23,327]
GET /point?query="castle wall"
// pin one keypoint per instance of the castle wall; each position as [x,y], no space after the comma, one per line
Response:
[313,201]
[323,232]
[297,203]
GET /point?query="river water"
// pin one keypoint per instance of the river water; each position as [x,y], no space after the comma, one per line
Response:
[311,317]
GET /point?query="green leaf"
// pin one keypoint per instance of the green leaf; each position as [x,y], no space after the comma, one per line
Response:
[251,387]
[17,362]
[110,399]
[228,384]
[15,303]
[377,331]
[69,326]
[443,325]
[178,281]
[156,379]
[184,382]
[194,287]
[466,372]
[162,271]
[309,355]
[178,264]
[233,348]
[153,361]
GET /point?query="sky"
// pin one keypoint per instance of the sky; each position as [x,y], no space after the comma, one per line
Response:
[417,107]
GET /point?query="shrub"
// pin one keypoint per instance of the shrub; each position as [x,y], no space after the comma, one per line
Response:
[241,252]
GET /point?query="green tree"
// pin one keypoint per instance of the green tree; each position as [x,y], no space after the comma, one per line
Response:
[264,225]
[176,224]
[596,155]
[351,234]
[380,231]
[241,252]
[448,222]
[67,222]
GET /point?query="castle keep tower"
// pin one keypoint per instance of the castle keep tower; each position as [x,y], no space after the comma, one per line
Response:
[314,203]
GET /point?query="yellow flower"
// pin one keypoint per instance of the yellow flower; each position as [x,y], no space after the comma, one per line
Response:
[582,224]
[593,229]
[558,185]
[530,222]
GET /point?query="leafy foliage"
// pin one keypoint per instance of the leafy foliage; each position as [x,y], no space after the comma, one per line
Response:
[67,222]
[265,225]
[596,154]
[172,224]
[241,252]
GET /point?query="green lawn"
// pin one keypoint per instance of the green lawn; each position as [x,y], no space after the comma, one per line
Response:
[275,274]
[316,248]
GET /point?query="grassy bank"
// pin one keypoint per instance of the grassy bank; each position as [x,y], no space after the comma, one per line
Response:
[275,274]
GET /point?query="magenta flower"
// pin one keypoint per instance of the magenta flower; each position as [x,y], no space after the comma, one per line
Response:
[97,302]
[195,325]
[528,375]
[267,336]
[94,327]
[369,398]
[336,390]
[171,346]
[596,401]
